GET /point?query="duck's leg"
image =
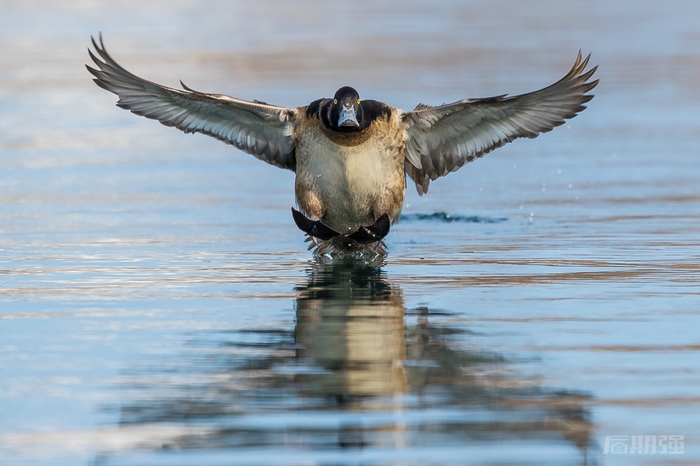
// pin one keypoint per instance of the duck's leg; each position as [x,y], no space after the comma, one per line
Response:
[374,232]
[313,228]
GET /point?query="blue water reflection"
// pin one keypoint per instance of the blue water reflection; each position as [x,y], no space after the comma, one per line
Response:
[352,374]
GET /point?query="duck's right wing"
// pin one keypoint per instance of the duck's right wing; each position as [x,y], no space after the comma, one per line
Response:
[262,130]
[442,139]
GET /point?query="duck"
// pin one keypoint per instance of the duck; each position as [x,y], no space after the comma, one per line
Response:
[352,156]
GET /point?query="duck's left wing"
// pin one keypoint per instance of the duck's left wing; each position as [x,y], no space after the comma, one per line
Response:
[441,139]
[262,130]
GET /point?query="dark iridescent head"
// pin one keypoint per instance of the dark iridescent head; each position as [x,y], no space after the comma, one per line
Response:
[345,113]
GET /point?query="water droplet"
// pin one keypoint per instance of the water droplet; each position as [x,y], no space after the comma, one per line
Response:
[559,171]
[571,185]
[532,214]
[521,207]
[318,176]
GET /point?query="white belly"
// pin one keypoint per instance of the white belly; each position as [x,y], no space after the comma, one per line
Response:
[354,184]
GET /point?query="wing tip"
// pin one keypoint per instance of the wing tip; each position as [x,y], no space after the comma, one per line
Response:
[100,49]
[187,88]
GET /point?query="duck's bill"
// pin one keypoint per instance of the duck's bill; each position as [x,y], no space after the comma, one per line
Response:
[348,117]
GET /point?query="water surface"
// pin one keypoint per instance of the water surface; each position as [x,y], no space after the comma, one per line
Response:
[158,305]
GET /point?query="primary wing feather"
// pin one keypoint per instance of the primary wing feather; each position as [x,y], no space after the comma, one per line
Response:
[260,129]
[442,139]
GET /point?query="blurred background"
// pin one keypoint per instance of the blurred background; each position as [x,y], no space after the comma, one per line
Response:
[539,307]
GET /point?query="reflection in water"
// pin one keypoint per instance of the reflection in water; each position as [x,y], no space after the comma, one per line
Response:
[350,323]
[353,374]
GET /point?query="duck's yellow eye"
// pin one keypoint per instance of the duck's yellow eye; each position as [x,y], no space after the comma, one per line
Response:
[358,101]
[335,101]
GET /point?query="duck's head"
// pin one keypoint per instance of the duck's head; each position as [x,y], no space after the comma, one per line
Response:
[345,112]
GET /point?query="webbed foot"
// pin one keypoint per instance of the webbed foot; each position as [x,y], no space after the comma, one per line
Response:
[364,235]
[373,233]
[313,228]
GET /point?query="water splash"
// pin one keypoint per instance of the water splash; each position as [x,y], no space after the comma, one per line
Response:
[444,217]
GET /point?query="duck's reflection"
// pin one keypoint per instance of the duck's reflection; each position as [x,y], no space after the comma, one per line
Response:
[350,323]
[359,371]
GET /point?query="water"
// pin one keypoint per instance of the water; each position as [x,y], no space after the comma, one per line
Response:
[158,305]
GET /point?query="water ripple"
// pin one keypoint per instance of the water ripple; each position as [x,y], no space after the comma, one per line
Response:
[444,217]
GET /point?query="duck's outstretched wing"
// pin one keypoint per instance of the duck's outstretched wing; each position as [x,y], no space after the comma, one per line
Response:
[262,130]
[441,139]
